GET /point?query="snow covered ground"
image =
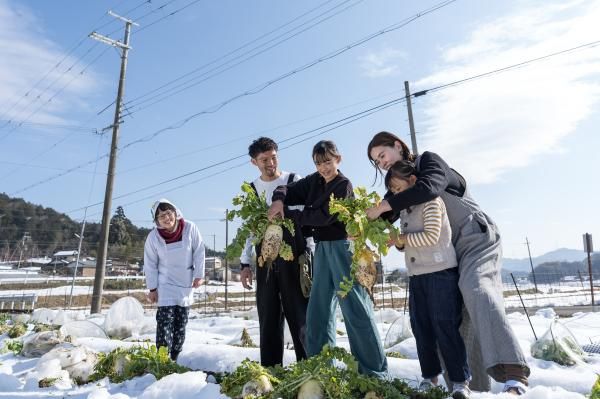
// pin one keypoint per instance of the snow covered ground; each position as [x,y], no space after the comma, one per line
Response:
[209,347]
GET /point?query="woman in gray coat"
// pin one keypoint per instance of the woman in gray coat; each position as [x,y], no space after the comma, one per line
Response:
[479,253]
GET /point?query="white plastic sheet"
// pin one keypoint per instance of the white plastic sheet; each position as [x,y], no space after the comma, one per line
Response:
[558,345]
[124,319]
[38,344]
[81,329]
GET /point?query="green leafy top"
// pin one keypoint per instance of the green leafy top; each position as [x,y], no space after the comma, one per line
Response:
[249,370]
[125,363]
[352,212]
[339,380]
[336,382]
[253,212]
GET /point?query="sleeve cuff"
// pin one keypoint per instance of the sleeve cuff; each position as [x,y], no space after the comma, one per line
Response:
[244,265]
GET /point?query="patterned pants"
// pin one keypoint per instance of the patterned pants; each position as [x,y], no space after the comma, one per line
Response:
[170,328]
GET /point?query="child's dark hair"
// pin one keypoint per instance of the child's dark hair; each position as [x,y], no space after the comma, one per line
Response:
[400,170]
[261,144]
[324,150]
[163,207]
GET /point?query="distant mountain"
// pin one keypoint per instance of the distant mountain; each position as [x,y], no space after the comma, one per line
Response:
[558,255]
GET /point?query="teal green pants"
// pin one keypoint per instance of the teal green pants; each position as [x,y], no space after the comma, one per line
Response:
[331,263]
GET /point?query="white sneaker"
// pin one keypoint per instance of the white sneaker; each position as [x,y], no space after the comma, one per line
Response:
[426,385]
[460,390]
[514,387]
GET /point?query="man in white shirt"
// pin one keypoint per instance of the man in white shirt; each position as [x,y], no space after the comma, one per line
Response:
[279,295]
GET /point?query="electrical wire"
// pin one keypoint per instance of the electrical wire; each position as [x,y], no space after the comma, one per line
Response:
[256,134]
[317,132]
[219,69]
[55,94]
[413,95]
[259,88]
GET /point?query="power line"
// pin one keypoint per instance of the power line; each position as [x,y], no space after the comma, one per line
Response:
[7,110]
[267,84]
[187,84]
[82,129]
[320,131]
[126,13]
[256,134]
[370,111]
[54,177]
[166,16]
[413,95]
[69,69]
[263,86]
[506,68]
[20,123]
[156,194]
[37,167]
[51,84]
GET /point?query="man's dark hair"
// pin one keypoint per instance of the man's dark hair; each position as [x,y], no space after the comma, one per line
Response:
[261,144]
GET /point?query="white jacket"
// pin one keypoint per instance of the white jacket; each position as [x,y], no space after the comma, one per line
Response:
[171,268]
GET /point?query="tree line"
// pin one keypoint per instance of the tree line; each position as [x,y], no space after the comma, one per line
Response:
[30,230]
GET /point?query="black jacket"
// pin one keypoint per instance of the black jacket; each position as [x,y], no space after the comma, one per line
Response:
[434,177]
[314,193]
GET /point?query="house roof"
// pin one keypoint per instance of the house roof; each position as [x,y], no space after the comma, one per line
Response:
[65,253]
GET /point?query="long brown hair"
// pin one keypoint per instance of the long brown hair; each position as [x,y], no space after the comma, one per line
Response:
[387,139]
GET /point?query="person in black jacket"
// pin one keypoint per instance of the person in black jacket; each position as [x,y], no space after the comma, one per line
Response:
[332,263]
[279,295]
[479,253]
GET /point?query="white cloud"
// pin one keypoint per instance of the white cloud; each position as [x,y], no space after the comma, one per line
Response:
[382,63]
[26,56]
[506,120]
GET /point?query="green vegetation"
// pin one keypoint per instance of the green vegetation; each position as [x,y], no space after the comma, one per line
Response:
[351,211]
[246,340]
[17,330]
[39,327]
[123,364]
[396,355]
[563,351]
[12,345]
[317,377]
[595,394]
[253,212]
[47,382]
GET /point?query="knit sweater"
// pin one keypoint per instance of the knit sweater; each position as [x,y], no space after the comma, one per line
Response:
[428,246]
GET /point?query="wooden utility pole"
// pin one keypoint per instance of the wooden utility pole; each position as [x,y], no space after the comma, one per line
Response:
[103,244]
[411,123]
[531,263]
[226,261]
[588,247]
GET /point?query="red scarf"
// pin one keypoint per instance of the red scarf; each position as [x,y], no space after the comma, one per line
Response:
[175,236]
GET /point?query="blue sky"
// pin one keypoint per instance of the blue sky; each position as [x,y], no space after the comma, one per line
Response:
[524,138]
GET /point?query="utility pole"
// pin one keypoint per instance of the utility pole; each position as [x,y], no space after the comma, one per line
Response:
[588,247]
[531,263]
[103,244]
[226,262]
[411,123]
[80,236]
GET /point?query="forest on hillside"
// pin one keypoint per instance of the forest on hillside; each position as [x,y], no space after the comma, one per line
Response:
[28,230]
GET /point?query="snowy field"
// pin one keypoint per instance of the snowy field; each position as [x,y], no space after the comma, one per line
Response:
[210,346]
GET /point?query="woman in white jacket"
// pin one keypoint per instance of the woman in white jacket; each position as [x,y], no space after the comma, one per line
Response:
[174,265]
